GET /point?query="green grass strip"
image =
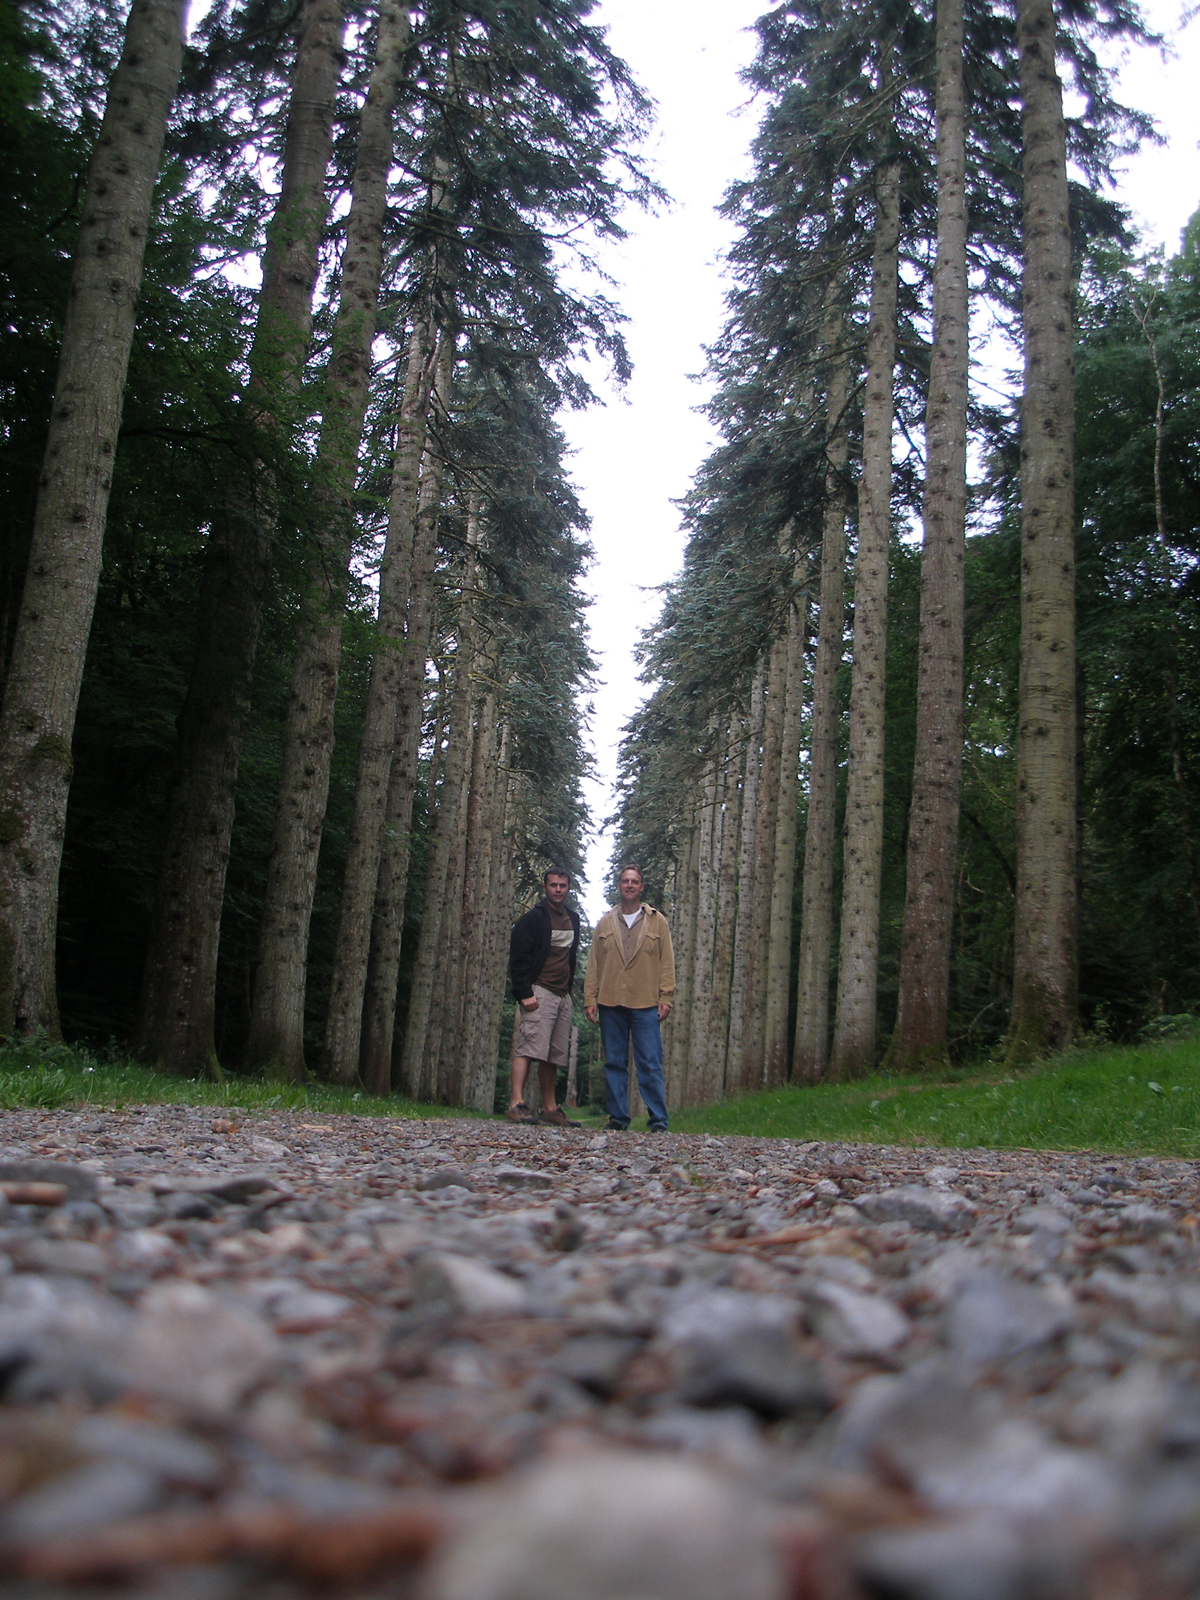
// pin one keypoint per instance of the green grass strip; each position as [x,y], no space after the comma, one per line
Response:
[1130,1100]
[1139,1100]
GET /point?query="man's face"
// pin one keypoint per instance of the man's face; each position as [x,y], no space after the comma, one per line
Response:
[558,886]
[631,888]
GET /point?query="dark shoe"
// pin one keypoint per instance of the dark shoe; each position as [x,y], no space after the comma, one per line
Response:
[660,1128]
[617,1127]
[519,1112]
[558,1118]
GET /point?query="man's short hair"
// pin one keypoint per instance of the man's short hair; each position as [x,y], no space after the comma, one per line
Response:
[555,872]
[632,866]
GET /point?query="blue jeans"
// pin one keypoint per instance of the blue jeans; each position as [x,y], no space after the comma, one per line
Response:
[617,1025]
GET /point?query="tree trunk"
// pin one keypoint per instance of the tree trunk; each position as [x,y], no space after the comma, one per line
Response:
[920,1037]
[811,1054]
[862,851]
[277,1014]
[734,759]
[739,995]
[1044,975]
[684,940]
[754,1037]
[783,885]
[404,578]
[41,694]
[496,957]
[446,1053]
[176,1022]
[439,920]
[697,1089]
[479,908]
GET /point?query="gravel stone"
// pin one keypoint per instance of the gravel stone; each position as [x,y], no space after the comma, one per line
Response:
[253,1357]
[613,1528]
[935,1210]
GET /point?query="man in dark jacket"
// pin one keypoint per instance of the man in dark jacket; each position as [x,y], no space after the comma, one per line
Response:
[541,960]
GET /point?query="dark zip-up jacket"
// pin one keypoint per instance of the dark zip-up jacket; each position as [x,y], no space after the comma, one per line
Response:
[529,947]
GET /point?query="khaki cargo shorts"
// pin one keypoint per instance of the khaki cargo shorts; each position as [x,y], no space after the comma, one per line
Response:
[544,1034]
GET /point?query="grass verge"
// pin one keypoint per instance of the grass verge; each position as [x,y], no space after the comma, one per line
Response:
[1139,1100]
[1124,1100]
[38,1072]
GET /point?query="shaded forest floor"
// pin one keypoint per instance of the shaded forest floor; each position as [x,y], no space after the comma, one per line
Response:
[1141,1099]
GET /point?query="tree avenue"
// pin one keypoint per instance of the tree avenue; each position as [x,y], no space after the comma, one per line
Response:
[939,694]
[293,590]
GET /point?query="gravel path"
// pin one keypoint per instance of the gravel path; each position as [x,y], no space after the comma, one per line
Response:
[272,1357]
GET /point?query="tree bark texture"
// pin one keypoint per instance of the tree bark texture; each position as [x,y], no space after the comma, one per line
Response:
[697,1088]
[486,1053]
[734,760]
[811,1054]
[435,983]
[41,694]
[277,1014]
[920,1036]
[684,941]
[176,1022]
[755,1037]
[1044,971]
[409,554]
[779,946]
[739,982]
[862,849]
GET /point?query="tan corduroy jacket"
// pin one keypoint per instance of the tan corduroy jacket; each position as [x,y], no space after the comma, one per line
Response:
[649,976]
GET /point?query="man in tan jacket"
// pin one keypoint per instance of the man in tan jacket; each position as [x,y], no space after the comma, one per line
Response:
[629,989]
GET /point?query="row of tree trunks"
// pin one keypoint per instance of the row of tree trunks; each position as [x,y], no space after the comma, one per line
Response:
[437,977]
[751,900]
[177,1015]
[277,1016]
[41,694]
[405,574]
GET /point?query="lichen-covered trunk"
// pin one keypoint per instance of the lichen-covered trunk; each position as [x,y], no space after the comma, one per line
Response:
[176,1021]
[739,990]
[855,1024]
[41,694]
[409,553]
[277,1013]
[776,1049]
[1044,967]
[811,1054]
[920,1037]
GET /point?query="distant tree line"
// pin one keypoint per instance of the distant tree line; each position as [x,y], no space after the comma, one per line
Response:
[291,604]
[915,805]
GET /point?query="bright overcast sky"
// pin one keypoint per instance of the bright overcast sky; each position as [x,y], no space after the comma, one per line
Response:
[637,454]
